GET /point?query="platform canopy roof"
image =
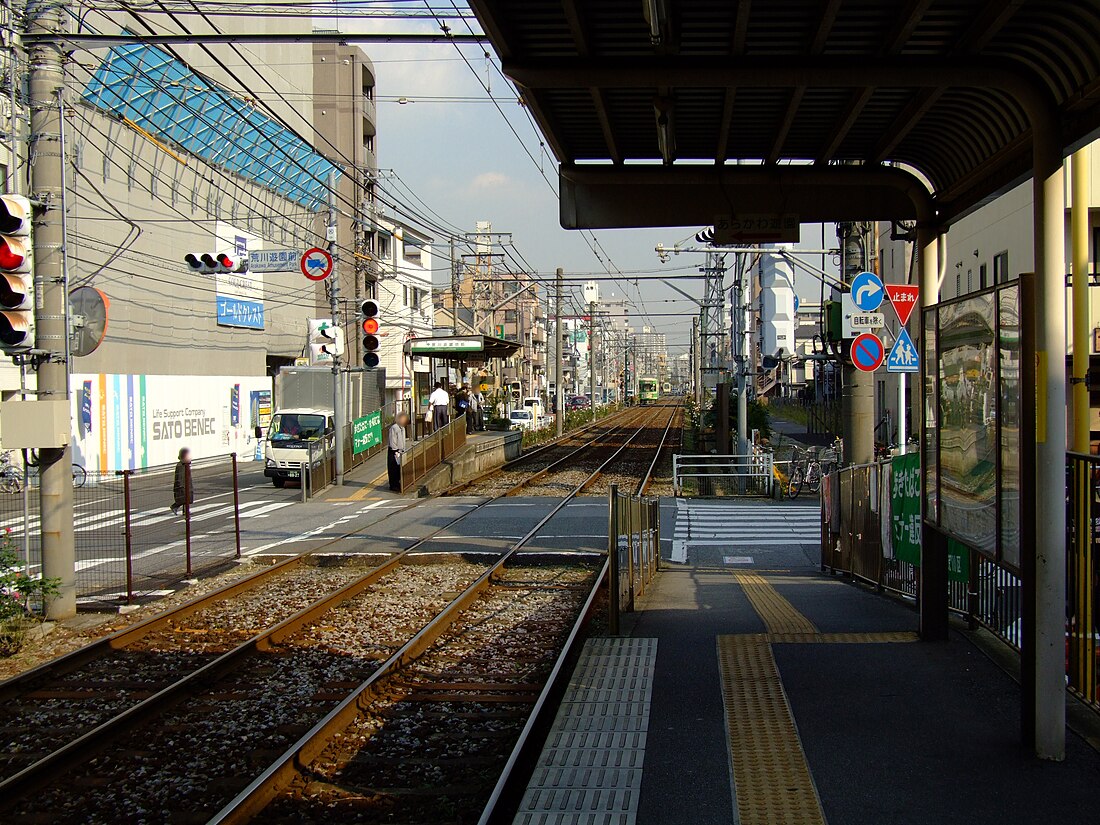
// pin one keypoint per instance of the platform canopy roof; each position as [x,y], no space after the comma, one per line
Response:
[462,347]
[648,104]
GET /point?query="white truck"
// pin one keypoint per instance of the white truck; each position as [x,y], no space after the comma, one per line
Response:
[292,431]
[304,415]
[533,404]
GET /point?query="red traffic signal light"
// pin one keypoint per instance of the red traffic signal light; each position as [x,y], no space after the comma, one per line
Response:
[16,274]
[208,262]
[371,327]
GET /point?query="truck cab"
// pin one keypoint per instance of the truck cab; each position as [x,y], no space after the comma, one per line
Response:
[533,404]
[289,437]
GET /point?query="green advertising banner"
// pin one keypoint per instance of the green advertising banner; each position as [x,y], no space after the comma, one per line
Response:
[906,524]
[366,432]
[905,507]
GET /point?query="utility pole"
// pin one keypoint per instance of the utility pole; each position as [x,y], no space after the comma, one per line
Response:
[696,363]
[858,394]
[592,355]
[454,288]
[334,307]
[47,178]
[746,365]
[559,390]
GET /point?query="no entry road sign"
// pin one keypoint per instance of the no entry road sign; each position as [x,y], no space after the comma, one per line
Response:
[316,264]
[868,352]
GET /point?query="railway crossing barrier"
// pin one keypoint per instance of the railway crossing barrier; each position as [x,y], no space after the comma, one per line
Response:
[633,549]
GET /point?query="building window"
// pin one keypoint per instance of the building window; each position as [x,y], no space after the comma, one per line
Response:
[983,276]
[384,247]
[970,280]
[1000,267]
[958,283]
[405,295]
[412,252]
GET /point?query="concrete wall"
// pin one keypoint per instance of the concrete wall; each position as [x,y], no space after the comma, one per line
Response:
[478,456]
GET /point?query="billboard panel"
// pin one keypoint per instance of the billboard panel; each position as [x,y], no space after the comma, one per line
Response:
[132,421]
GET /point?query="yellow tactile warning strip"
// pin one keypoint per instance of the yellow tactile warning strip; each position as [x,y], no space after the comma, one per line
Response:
[770,773]
[771,777]
[778,614]
[842,638]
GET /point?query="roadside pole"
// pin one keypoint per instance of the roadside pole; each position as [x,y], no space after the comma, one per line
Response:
[334,307]
[592,355]
[559,394]
[47,177]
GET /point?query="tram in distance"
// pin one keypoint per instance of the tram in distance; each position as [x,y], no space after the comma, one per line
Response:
[648,390]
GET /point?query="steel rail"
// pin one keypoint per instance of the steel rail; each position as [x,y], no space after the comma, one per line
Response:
[262,790]
[545,471]
[127,636]
[556,442]
[647,479]
[86,746]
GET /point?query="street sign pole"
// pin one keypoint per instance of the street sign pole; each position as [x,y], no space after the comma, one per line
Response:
[334,307]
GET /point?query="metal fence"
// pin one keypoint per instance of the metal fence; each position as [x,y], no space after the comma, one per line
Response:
[1083,541]
[129,541]
[724,475]
[634,549]
[426,454]
[857,537]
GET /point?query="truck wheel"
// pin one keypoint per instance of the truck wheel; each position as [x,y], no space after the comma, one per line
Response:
[279,482]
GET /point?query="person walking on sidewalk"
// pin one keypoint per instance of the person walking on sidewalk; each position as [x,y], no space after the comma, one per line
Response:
[439,403]
[395,438]
[183,484]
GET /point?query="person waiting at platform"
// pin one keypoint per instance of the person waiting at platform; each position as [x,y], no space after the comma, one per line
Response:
[439,406]
[395,441]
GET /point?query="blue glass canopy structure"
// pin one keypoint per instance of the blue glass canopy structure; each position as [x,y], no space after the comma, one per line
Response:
[166,98]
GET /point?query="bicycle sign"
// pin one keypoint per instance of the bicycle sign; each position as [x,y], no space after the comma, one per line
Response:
[316,264]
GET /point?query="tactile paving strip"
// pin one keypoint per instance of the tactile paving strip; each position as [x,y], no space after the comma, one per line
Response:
[590,770]
[778,614]
[843,638]
[770,773]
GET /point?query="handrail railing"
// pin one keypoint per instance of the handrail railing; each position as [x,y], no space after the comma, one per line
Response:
[723,475]
[427,453]
[633,549]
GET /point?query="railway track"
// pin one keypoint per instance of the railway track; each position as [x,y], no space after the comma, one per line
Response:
[630,442]
[225,684]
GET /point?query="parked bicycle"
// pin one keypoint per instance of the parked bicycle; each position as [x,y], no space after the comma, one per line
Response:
[12,476]
[805,472]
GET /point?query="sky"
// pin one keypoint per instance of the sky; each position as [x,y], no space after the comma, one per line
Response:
[471,162]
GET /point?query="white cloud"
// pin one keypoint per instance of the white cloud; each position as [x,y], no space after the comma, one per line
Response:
[491,181]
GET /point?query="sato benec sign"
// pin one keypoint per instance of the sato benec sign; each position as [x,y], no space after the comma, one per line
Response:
[905,520]
[366,432]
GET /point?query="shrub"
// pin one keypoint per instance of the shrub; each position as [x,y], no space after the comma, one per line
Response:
[23,597]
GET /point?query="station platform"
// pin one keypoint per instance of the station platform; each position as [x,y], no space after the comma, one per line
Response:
[780,695]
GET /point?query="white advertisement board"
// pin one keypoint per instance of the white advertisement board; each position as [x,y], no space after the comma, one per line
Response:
[132,421]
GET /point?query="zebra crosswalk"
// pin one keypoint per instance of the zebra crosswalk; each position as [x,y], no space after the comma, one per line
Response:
[743,524]
[201,512]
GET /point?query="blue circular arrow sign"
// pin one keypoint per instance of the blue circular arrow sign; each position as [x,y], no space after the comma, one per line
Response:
[868,291]
[867,352]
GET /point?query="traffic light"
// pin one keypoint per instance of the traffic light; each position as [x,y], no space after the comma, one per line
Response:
[371,328]
[16,275]
[209,262]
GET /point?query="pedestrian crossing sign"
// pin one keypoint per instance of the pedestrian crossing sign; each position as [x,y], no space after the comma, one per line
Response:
[903,355]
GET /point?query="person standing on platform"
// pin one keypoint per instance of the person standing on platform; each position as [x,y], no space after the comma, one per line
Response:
[439,403]
[462,404]
[395,439]
[474,412]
